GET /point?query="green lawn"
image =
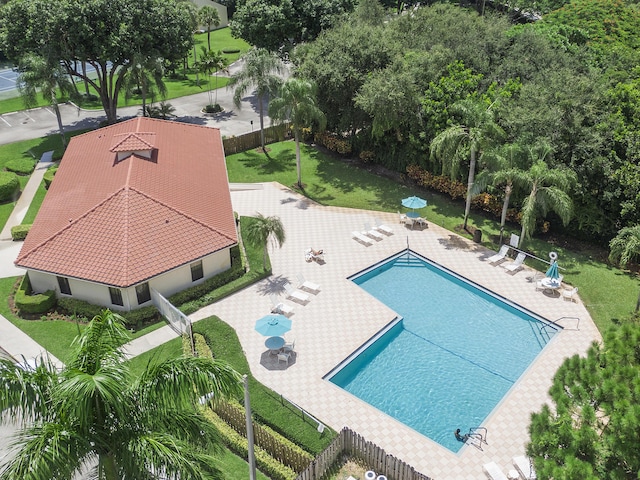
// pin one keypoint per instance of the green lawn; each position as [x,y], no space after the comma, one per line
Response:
[333,182]
[220,40]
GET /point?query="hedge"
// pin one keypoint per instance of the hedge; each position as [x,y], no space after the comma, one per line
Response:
[26,302]
[48,176]
[21,166]
[19,232]
[9,186]
[86,310]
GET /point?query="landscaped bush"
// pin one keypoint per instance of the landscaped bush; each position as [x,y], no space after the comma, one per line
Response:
[21,166]
[19,232]
[333,143]
[48,176]
[86,310]
[28,303]
[213,108]
[231,50]
[9,186]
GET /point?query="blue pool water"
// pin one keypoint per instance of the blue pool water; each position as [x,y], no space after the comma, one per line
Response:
[455,353]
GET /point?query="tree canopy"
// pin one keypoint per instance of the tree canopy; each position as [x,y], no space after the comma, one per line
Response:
[592,429]
[106,34]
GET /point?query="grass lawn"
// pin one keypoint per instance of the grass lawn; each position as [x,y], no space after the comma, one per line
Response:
[330,181]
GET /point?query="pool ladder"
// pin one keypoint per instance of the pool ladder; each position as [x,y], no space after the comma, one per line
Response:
[478,435]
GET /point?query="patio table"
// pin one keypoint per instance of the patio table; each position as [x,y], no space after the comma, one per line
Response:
[274,343]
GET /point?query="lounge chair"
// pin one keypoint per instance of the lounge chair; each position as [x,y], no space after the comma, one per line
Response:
[280,307]
[570,293]
[401,217]
[516,265]
[307,285]
[514,240]
[525,467]
[493,472]
[371,232]
[295,294]
[381,227]
[310,255]
[361,238]
[498,257]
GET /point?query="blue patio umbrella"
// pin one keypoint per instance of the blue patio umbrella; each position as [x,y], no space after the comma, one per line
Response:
[552,272]
[273,325]
[414,202]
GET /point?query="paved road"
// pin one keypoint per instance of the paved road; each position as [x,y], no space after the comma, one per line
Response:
[35,123]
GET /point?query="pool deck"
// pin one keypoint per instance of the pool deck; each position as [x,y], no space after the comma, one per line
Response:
[342,317]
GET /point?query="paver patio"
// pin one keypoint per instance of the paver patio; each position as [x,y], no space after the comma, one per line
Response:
[342,317]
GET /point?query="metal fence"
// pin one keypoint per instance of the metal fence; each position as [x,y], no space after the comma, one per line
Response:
[177,320]
[350,444]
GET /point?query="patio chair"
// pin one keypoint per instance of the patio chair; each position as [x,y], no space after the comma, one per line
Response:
[288,347]
[295,294]
[372,232]
[500,256]
[280,307]
[514,240]
[493,472]
[516,265]
[570,293]
[401,217]
[284,357]
[361,238]
[307,285]
[381,227]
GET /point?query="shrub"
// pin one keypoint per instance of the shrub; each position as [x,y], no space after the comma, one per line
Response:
[333,143]
[86,310]
[27,302]
[231,50]
[21,166]
[19,232]
[213,108]
[48,176]
[9,186]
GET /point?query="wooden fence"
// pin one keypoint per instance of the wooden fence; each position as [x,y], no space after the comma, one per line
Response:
[350,444]
[251,140]
[235,418]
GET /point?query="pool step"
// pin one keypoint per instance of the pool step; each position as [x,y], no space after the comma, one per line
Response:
[409,262]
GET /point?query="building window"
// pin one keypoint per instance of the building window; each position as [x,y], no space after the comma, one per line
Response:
[116,296]
[63,283]
[143,293]
[196,271]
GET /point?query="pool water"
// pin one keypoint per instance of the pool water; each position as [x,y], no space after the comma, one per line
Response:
[451,358]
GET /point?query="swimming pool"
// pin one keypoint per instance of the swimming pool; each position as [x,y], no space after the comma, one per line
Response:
[451,357]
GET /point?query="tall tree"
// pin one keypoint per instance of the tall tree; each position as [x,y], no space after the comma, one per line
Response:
[466,139]
[49,77]
[264,231]
[624,248]
[145,74]
[94,409]
[296,103]
[592,429]
[210,62]
[505,167]
[547,192]
[261,70]
[210,17]
[106,34]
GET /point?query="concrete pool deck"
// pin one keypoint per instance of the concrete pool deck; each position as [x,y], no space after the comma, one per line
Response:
[341,317]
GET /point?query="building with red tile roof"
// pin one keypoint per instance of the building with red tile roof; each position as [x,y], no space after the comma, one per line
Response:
[141,204]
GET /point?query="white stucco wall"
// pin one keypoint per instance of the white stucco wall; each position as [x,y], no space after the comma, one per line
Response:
[222,12]
[167,283]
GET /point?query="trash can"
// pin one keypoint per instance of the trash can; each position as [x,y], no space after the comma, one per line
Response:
[477,235]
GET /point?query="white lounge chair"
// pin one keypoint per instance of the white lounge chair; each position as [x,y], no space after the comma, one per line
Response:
[525,468]
[498,257]
[361,238]
[280,307]
[307,285]
[381,227]
[401,217]
[371,232]
[310,255]
[493,472]
[295,294]
[516,264]
[514,240]
[570,293]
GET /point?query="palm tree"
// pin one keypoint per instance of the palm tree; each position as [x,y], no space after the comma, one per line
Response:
[36,72]
[209,62]
[505,166]
[144,74]
[624,248]
[209,16]
[264,231]
[452,145]
[95,411]
[296,103]
[260,70]
[547,191]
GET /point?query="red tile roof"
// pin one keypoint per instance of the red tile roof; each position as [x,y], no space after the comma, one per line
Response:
[122,222]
